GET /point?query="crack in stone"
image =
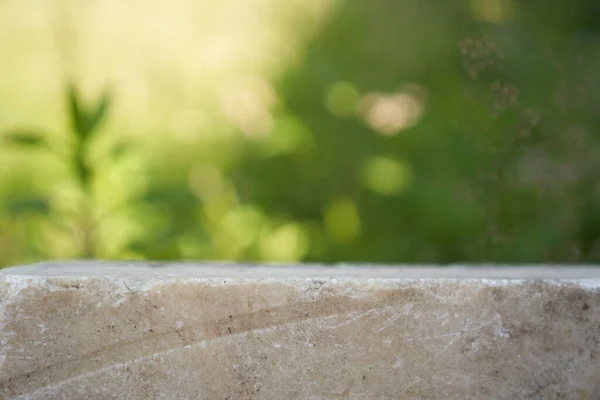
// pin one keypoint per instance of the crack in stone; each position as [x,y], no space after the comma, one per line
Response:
[125,352]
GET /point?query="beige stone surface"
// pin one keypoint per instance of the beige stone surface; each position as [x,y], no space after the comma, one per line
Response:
[83,330]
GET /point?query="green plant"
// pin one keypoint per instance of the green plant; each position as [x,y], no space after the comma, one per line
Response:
[85,121]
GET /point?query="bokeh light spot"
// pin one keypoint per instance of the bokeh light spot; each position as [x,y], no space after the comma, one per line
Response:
[243,225]
[389,114]
[341,99]
[217,193]
[289,135]
[386,176]
[287,243]
[494,11]
[248,103]
[342,220]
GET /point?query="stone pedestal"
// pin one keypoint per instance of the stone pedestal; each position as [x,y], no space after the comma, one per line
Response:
[94,330]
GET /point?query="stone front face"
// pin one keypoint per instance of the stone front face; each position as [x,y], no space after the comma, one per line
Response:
[181,336]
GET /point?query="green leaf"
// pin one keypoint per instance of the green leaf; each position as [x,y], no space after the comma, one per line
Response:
[86,121]
[95,118]
[28,205]
[76,112]
[25,139]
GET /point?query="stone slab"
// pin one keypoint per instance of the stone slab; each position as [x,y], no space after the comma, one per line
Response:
[104,330]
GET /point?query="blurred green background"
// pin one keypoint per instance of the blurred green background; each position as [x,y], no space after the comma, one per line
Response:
[300,131]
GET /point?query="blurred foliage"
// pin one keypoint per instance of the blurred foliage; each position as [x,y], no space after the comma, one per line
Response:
[406,132]
[84,121]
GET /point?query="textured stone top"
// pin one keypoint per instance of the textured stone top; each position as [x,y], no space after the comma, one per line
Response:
[591,275]
[138,330]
